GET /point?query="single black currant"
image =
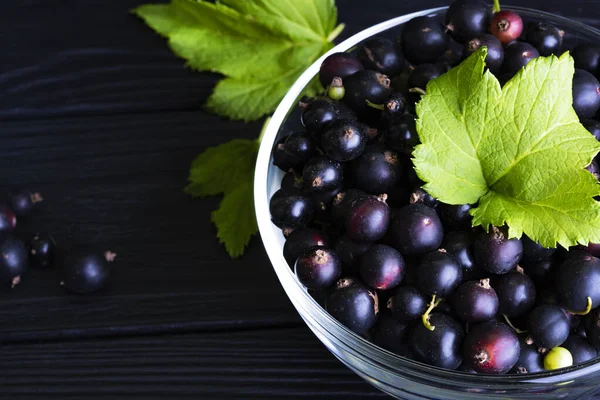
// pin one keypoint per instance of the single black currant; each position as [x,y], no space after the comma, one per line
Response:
[408,303]
[423,40]
[530,361]
[298,147]
[341,205]
[440,347]
[86,272]
[455,217]
[496,252]
[467,18]
[317,115]
[318,268]
[41,248]
[368,218]
[394,107]
[401,134]
[322,174]
[475,301]
[587,57]
[421,75]
[545,37]
[380,54]
[8,220]
[301,240]
[516,292]
[495,54]
[439,274]
[353,304]
[419,196]
[338,65]
[291,209]
[548,326]
[377,170]
[350,252]
[14,260]
[460,245]
[390,333]
[382,267]
[581,350]
[578,283]
[586,94]
[416,229]
[517,55]
[533,251]
[366,86]
[491,348]
[23,203]
[506,25]
[344,139]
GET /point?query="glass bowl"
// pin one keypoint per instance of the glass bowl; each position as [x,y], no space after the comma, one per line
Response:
[398,376]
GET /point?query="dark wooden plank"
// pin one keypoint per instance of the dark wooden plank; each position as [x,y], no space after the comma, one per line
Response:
[261,364]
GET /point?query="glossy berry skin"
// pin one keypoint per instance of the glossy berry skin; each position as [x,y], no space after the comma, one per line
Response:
[495,252]
[441,347]
[85,272]
[422,74]
[390,333]
[416,229]
[41,248]
[322,174]
[395,107]
[14,259]
[467,18]
[366,85]
[8,221]
[344,139]
[591,323]
[408,303]
[548,326]
[516,292]
[475,301]
[517,55]
[557,358]
[298,147]
[318,268]
[491,348]
[382,267]
[341,205]
[291,209]
[578,278]
[586,94]
[419,196]
[368,219]
[350,252]
[317,115]
[541,272]
[23,203]
[506,26]
[301,240]
[460,245]
[338,65]
[353,304]
[401,134]
[545,37]
[586,57]
[380,54]
[533,251]
[378,170]
[423,40]
[280,158]
[581,350]
[455,217]
[495,55]
[439,274]
[530,359]
[593,126]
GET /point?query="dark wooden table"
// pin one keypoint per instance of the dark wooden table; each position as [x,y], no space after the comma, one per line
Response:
[100,117]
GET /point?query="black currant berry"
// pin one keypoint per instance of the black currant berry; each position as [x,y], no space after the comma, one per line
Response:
[378,170]
[390,334]
[577,279]
[548,326]
[516,292]
[581,350]
[408,303]
[441,347]
[318,268]
[41,248]
[533,251]
[475,301]
[368,218]
[341,205]
[86,272]
[467,18]
[322,202]
[530,361]
[421,75]
[541,272]
[380,54]
[419,196]
[350,252]
[291,209]
[593,126]
[591,323]
[401,134]
[23,203]
[301,240]
[496,252]
[298,147]
[587,57]
[545,37]
[322,174]
[506,26]
[517,55]
[366,86]
[460,245]
[491,348]
[338,65]
[382,267]
[586,94]
[13,260]
[394,107]
[353,305]
[416,229]
[423,40]
[439,274]
[344,139]
[495,50]
[8,221]
[317,115]
[455,217]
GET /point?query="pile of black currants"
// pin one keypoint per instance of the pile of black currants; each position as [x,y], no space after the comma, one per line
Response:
[82,271]
[394,264]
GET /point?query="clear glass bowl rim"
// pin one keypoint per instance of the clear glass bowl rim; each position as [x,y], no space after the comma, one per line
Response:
[308,308]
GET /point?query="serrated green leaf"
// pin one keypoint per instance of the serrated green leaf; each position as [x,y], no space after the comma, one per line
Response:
[520,150]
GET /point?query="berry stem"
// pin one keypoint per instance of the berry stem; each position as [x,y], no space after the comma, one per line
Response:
[334,33]
[425,317]
[519,331]
[376,106]
[496,6]
[417,90]
[587,309]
